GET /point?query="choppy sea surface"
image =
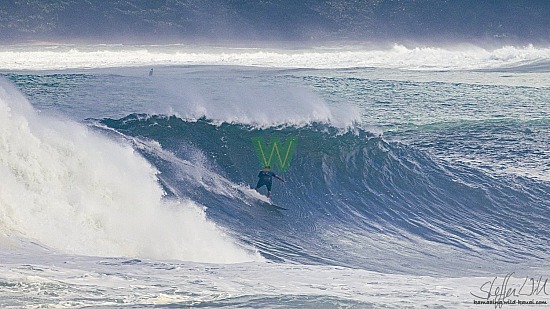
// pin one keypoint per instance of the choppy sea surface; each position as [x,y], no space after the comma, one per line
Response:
[419,178]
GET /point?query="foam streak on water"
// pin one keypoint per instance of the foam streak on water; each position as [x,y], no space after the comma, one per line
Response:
[73,281]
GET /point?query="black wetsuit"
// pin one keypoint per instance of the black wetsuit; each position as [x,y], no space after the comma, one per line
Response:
[265,180]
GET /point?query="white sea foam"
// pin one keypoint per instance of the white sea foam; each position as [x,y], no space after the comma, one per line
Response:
[249,102]
[55,57]
[68,281]
[81,193]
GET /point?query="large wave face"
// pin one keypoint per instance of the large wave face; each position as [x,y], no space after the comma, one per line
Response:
[75,191]
[353,198]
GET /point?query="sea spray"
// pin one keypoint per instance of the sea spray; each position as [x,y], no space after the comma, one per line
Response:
[81,193]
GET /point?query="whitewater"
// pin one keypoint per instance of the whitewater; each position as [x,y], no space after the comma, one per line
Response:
[49,56]
[420,176]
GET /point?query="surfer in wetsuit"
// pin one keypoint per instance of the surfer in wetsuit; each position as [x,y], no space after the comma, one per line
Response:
[266,176]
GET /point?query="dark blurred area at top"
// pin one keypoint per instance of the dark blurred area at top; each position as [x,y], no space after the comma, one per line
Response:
[166,21]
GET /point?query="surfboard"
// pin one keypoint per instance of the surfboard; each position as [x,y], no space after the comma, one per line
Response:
[271,205]
[260,199]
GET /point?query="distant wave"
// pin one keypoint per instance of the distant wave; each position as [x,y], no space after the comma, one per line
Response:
[536,66]
[54,57]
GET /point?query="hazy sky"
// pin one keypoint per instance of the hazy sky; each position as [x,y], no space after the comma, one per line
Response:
[276,20]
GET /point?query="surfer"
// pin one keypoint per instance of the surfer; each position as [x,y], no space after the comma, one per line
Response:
[266,176]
